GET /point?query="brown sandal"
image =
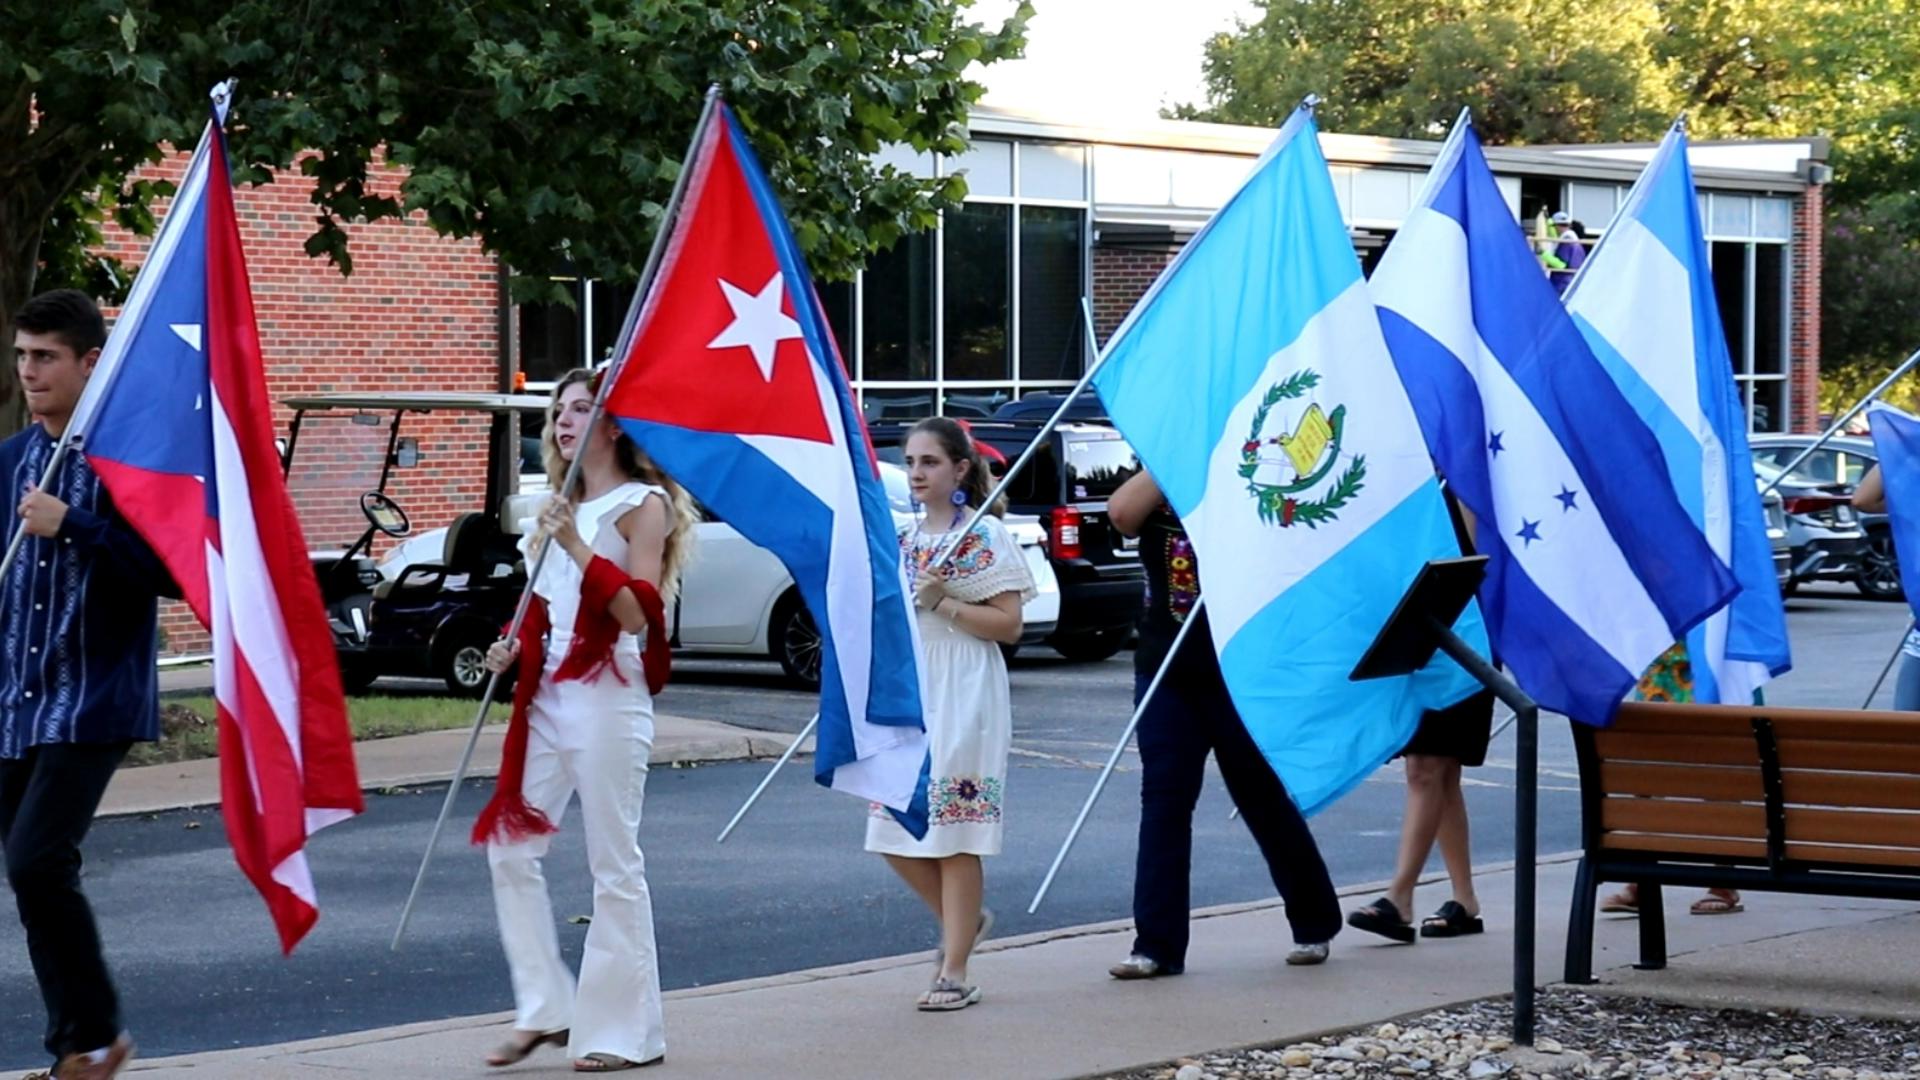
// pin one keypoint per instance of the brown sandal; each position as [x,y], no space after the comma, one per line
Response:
[515,1051]
[597,1063]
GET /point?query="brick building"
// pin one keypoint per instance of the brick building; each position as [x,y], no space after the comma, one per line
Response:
[982,310]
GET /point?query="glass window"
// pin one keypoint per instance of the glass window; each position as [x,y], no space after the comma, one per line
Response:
[898,323]
[1053,171]
[1097,467]
[837,298]
[1730,286]
[610,303]
[978,284]
[896,404]
[1767,404]
[1769,309]
[975,402]
[1732,215]
[988,164]
[1591,204]
[1821,466]
[550,337]
[1052,281]
[1773,219]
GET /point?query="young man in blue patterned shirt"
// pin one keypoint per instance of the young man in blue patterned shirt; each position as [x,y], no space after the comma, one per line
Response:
[78,684]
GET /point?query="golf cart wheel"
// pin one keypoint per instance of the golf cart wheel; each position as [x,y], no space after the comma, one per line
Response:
[1879,575]
[357,678]
[462,665]
[795,640]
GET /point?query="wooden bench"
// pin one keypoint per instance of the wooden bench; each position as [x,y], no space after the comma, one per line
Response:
[1759,798]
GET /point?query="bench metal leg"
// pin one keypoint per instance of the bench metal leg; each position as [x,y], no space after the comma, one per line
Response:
[1580,927]
[1653,929]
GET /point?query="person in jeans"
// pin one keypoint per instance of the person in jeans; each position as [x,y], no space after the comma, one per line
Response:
[1189,716]
[79,682]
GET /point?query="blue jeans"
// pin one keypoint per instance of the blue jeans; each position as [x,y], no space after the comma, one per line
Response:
[1189,716]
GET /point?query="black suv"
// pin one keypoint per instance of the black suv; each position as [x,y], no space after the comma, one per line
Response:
[1066,486]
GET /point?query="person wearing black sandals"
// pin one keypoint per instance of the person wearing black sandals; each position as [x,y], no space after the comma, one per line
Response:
[1191,714]
[1446,741]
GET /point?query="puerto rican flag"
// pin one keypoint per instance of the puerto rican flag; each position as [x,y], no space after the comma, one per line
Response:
[177,423]
[732,383]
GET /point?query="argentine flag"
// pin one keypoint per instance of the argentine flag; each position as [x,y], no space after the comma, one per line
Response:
[1254,384]
[1645,303]
[1594,568]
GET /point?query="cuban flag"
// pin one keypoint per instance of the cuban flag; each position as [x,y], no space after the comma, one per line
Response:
[177,423]
[1594,567]
[1646,305]
[733,385]
[1254,383]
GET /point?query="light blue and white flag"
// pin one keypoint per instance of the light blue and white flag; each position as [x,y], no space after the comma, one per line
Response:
[1896,438]
[1254,384]
[1646,305]
[1594,568]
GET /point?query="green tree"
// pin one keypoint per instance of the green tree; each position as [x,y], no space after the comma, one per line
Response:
[549,131]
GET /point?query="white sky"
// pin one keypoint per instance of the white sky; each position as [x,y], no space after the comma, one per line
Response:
[1106,60]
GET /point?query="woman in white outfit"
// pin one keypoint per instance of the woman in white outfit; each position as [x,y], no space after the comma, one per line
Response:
[590,660]
[968,595]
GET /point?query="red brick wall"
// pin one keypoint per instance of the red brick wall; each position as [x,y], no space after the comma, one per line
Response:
[1120,276]
[1803,350]
[419,313]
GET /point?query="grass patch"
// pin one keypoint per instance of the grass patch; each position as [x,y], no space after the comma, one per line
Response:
[188,731]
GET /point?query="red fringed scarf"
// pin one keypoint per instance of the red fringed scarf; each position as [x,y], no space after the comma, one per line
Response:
[508,816]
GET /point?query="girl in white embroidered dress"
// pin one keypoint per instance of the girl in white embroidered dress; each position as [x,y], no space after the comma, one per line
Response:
[968,603]
[592,736]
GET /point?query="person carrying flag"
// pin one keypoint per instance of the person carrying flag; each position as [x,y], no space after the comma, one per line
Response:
[591,654]
[968,594]
[79,684]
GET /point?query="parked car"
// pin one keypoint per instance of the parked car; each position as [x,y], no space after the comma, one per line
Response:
[1828,543]
[737,599]
[1842,461]
[1066,487]
[1778,537]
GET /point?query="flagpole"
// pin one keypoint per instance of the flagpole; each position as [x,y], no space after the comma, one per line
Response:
[1898,647]
[953,542]
[1840,422]
[1119,748]
[668,221]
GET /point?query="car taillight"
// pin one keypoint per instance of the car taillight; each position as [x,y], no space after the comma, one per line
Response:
[1811,504]
[1063,530]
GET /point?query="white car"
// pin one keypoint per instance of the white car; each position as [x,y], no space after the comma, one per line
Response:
[736,598]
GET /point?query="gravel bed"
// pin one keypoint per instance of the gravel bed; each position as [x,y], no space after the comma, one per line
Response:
[1583,1035]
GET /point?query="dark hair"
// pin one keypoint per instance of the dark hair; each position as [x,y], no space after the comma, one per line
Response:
[68,313]
[958,445]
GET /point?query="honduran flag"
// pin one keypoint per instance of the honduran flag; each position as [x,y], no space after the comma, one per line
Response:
[177,423]
[732,383]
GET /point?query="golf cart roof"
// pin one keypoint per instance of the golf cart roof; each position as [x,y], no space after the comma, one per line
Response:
[422,401]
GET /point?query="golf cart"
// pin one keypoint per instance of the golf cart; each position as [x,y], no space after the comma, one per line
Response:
[434,614]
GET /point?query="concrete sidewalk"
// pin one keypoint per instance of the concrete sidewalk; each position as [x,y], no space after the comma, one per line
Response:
[1051,1011]
[429,758]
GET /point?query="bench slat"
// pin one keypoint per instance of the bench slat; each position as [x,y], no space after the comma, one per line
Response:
[1871,827]
[1713,783]
[1685,845]
[1677,749]
[1904,729]
[1672,817]
[1869,757]
[1865,856]
[1865,790]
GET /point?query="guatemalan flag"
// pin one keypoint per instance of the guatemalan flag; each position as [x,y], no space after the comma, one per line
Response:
[1254,384]
[1646,305]
[1594,567]
[732,383]
[1896,438]
[177,423]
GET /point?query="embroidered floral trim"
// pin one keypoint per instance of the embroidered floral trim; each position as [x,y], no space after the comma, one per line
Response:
[964,800]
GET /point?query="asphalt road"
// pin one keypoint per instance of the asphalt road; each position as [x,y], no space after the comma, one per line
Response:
[199,969]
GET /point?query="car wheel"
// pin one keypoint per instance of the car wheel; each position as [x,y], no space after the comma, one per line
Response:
[1091,646]
[462,665]
[356,678]
[1879,575]
[796,641]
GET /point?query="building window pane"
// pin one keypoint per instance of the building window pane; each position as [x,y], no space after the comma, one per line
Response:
[837,298]
[898,325]
[1730,285]
[978,282]
[1732,215]
[610,303]
[896,404]
[1769,309]
[1592,204]
[989,168]
[1052,281]
[1052,171]
[1766,403]
[974,402]
[550,338]
[1773,219]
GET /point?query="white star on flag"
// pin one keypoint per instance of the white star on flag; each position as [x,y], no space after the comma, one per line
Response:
[758,322]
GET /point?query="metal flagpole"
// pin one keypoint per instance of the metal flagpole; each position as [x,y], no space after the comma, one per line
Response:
[667,222]
[1891,660]
[1013,470]
[1119,748]
[1841,421]
[768,779]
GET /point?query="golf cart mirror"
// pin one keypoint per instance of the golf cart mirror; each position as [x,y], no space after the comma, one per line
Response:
[367,419]
[407,454]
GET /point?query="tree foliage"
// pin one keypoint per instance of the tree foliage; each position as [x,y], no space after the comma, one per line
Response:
[552,132]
